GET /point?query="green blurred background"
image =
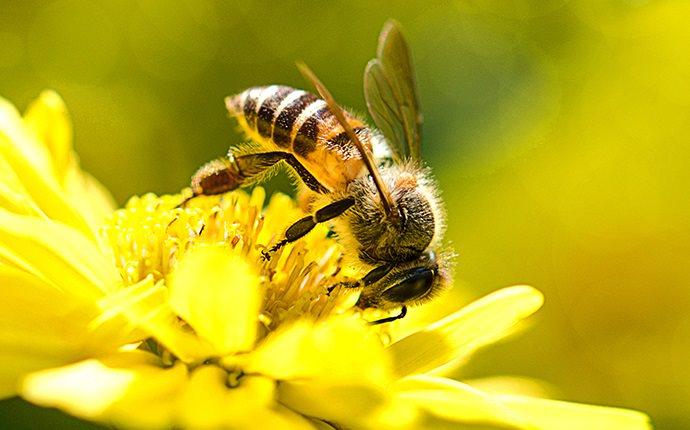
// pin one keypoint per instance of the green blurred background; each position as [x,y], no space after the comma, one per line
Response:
[557,130]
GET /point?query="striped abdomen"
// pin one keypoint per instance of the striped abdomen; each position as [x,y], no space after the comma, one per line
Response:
[295,121]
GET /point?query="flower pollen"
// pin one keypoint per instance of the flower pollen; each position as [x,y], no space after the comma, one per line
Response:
[151,234]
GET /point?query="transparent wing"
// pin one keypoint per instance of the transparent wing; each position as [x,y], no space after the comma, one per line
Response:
[391,95]
[339,114]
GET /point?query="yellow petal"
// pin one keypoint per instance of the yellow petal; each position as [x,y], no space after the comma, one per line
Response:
[39,172]
[520,385]
[151,400]
[89,196]
[31,160]
[130,390]
[217,293]
[204,403]
[208,403]
[338,349]
[25,142]
[349,404]
[47,117]
[336,369]
[40,184]
[546,414]
[41,327]
[56,254]
[127,389]
[145,306]
[86,389]
[13,195]
[454,401]
[458,335]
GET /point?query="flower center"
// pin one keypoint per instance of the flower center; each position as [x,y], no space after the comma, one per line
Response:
[150,235]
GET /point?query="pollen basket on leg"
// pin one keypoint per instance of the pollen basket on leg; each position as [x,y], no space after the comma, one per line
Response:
[150,235]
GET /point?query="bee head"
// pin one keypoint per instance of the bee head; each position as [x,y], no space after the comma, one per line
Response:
[393,285]
[415,221]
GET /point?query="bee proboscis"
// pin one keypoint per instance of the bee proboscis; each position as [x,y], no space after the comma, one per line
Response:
[370,185]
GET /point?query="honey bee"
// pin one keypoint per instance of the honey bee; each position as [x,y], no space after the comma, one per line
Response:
[383,206]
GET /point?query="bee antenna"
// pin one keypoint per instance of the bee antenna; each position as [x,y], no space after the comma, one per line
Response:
[337,111]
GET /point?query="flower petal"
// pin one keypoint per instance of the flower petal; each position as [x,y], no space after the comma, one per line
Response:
[145,306]
[13,128]
[454,401]
[335,369]
[126,389]
[208,403]
[89,196]
[40,184]
[39,172]
[42,327]
[217,293]
[546,414]
[340,348]
[86,389]
[131,390]
[57,254]
[48,119]
[13,195]
[458,335]
[348,404]
[508,384]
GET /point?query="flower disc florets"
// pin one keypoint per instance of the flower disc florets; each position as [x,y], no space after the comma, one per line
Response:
[151,234]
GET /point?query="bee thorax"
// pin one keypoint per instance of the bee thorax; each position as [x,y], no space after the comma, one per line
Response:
[396,237]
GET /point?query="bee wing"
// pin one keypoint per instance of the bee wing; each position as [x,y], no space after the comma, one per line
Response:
[391,95]
[339,114]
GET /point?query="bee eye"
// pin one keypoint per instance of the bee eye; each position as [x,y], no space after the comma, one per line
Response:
[415,284]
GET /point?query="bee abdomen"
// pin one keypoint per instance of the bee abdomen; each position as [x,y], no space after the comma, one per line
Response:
[258,107]
[270,112]
[289,118]
[340,140]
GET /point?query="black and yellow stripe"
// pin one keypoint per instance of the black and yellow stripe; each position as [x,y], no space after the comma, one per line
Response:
[287,116]
[291,119]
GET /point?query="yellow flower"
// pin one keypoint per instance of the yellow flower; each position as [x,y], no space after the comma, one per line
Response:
[51,265]
[154,316]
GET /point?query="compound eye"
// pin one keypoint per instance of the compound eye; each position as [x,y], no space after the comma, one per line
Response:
[416,284]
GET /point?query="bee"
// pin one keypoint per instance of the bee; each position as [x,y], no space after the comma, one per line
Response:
[369,185]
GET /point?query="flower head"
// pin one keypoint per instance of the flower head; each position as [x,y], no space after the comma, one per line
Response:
[159,316]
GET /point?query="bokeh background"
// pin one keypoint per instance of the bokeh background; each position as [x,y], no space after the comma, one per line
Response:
[558,131]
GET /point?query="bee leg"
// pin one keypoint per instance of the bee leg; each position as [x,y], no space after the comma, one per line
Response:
[345,284]
[250,166]
[372,276]
[377,273]
[403,312]
[215,177]
[304,174]
[231,172]
[305,225]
